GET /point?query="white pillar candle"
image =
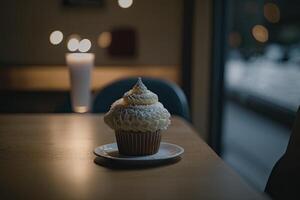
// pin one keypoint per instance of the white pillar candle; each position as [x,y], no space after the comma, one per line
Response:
[80,68]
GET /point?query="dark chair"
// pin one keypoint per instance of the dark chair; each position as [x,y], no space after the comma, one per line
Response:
[284,181]
[169,94]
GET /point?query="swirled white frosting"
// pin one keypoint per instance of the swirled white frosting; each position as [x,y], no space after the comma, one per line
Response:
[140,95]
[138,111]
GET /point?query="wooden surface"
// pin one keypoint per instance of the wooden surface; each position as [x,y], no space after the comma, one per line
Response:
[57,77]
[51,157]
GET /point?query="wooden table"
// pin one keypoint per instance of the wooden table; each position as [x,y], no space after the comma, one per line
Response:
[49,156]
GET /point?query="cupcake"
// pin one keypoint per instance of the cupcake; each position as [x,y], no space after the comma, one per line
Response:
[138,120]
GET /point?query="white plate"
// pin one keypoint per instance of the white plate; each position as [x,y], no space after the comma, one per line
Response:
[166,151]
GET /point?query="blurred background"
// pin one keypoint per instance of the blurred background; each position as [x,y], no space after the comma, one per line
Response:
[237,61]
[261,84]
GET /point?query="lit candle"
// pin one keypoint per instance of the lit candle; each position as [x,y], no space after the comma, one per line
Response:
[80,68]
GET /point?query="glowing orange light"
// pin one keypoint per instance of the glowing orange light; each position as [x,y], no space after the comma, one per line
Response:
[272,12]
[104,39]
[260,33]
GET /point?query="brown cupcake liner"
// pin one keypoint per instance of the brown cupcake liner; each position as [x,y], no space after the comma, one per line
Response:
[138,143]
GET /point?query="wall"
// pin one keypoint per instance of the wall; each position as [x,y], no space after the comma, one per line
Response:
[26,25]
[56,78]
[201,66]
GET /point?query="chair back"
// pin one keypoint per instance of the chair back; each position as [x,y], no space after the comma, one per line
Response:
[169,94]
[284,181]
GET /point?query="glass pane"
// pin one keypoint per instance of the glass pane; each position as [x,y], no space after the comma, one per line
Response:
[262,84]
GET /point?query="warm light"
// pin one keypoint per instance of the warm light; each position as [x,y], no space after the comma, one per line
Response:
[260,33]
[104,39]
[56,37]
[73,44]
[84,45]
[79,174]
[81,109]
[76,36]
[272,12]
[80,59]
[125,3]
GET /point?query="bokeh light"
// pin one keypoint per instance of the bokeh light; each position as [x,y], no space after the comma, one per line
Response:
[84,45]
[73,44]
[234,39]
[56,37]
[104,39]
[272,12]
[260,33]
[125,3]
